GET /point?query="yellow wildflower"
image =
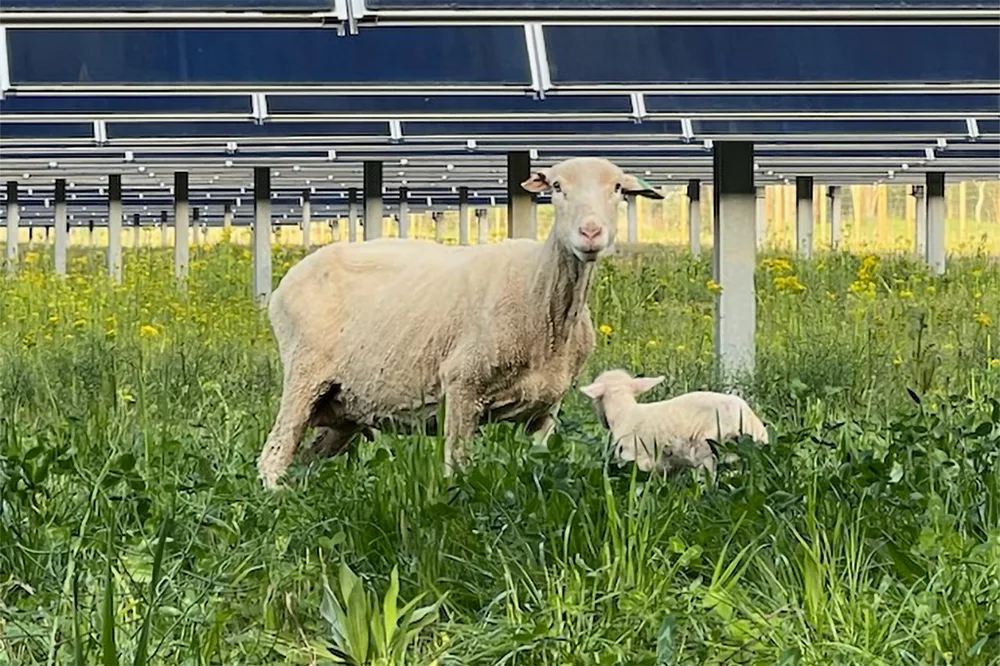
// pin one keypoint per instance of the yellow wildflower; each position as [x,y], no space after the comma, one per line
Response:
[906,294]
[713,286]
[897,360]
[994,364]
[982,319]
[977,294]
[605,329]
[931,290]
[681,348]
[652,343]
[789,284]
[148,331]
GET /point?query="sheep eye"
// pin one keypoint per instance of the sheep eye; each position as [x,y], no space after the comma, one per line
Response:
[618,188]
[556,186]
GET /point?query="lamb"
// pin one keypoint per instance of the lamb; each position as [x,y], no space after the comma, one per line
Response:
[671,433]
[378,335]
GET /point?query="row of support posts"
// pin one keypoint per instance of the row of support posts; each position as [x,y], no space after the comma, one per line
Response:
[738,225]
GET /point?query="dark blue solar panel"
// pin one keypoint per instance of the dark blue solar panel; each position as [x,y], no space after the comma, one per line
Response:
[416,55]
[464,129]
[439,104]
[959,104]
[887,128]
[553,5]
[246,129]
[152,5]
[14,131]
[772,54]
[991,126]
[146,104]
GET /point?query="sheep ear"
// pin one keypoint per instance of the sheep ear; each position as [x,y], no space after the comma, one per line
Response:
[639,187]
[643,384]
[539,182]
[594,391]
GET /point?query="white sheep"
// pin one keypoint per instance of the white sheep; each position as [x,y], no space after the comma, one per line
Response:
[377,335]
[671,433]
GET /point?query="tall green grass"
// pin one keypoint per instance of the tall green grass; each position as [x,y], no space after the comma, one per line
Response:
[133,529]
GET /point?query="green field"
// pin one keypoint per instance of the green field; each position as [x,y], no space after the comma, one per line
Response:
[133,528]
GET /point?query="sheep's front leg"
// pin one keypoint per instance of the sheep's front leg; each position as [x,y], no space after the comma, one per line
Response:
[461,417]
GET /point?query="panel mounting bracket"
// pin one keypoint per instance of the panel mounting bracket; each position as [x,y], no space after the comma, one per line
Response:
[538,59]
[4,64]
[972,125]
[638,101]
[258,105]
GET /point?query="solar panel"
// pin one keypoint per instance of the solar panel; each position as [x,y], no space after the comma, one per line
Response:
[902,104]
[813,54]
[16,131]
[223,130]
[929,128]
[446,104]
[127,104]
[153,5]
[260,56]
[669,4]
[668,129]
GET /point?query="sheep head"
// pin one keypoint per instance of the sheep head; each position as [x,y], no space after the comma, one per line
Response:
[619,382]
[586,193]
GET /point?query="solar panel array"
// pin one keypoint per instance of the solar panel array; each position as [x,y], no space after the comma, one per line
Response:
[440,91]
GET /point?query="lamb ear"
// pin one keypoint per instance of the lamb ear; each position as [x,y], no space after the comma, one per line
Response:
[594,391]
[639,187]
[539,182]
[643,384]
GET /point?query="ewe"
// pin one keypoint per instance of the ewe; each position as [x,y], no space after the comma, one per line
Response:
[671,433]
[376,335]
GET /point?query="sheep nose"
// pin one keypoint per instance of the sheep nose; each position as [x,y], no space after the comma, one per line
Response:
[591,231]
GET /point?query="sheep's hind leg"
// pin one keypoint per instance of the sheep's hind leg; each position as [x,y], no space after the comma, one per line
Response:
[297,398]
[460,421]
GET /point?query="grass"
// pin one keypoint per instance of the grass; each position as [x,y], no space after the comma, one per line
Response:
[133,528]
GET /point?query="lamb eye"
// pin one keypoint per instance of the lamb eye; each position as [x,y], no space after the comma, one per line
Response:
[556,186]
[618,188]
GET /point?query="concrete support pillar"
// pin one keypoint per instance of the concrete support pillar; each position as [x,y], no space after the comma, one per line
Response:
[734,258]
[61,228]
[404,213]
[632,213]
[262,233]
[13,220]
[804,220]
[936,250]
[920,221]
[834,199]
[227,219]
[352,215]
[373,200]
[115,227]
[519,200]
[195,226]
[694,216]
[182,233]
[760,216]
[164,234]
[136,231]
[463,215]
[306,220]
[438,217]
[482,226]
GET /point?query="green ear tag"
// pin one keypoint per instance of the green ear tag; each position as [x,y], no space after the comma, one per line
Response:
[645,184]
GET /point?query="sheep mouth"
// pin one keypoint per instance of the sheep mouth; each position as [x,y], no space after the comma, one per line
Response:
[588,256]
